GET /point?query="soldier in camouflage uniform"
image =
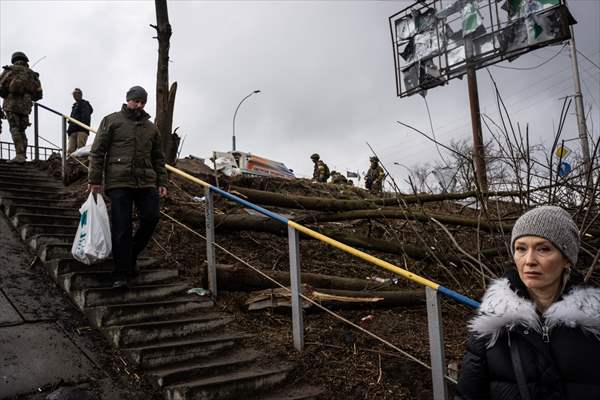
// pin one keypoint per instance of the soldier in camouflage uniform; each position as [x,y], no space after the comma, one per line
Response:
[19,87]
[338,179]
[375,176]
[2,116]
[321,170]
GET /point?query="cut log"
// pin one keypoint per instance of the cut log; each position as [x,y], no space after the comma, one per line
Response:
[239,278]
[397,213]
[322,204]
[381,298]
[279,297]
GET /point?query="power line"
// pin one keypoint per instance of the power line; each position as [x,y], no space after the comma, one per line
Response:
[590,61]
[547,93]
[535,67]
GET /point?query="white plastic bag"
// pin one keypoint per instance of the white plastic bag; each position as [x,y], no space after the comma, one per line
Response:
[82,151]
[92,242]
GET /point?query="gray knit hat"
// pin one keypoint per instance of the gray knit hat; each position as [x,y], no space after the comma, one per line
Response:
[137,93]
[551,223]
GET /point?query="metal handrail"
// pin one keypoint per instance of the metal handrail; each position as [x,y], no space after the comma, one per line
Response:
[65,118]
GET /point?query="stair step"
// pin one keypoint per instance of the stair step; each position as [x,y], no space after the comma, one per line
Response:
[37,241]
[29,218]
[68,264]
[24,185]
[42,210]
[141,312]
[148,332]
[30,230]
[173,351]
[99,279]
[24,172]
[41,194]
[4,164]
[175,373]
[28,181]
[48,251]
[233,385]
[26,176]
[137,294]
[24,201]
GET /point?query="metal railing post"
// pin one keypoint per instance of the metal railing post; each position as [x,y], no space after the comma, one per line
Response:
[64,150]
[36,132]
[211,268]
[297,318]
[436,344]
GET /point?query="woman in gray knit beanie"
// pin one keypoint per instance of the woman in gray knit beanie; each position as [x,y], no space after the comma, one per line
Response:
[537,327]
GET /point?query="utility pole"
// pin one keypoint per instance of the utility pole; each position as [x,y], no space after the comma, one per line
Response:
[478,148]
[579,110]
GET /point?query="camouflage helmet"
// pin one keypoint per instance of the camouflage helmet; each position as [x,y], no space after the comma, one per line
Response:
[374,159]
[18,55]
[315,156]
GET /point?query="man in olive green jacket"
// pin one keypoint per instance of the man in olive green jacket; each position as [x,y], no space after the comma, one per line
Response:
[127,151]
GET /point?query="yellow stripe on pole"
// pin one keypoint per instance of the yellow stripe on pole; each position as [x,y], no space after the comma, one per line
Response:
[81,124]
[374,260]
[187,176]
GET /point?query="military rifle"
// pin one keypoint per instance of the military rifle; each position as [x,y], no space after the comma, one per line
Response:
[2,116]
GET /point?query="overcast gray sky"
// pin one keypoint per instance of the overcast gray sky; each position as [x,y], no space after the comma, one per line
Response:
[325,70]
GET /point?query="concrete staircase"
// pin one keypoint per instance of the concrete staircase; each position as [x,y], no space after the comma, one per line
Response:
[180,343]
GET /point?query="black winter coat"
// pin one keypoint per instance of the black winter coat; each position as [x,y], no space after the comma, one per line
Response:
[559,350]
[127,151]
[82,111]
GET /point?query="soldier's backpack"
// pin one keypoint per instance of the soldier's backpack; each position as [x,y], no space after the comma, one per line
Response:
[21,81]
[4,81]
[327,173]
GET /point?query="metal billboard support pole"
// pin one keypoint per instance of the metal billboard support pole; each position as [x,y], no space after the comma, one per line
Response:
[36,132]
[297,321]
[581,124]
[436,344]
[211,267]
[478,148]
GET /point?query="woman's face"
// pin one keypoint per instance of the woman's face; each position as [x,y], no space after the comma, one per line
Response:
[539,262]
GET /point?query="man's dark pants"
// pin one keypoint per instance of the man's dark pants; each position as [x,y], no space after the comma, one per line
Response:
[126,248]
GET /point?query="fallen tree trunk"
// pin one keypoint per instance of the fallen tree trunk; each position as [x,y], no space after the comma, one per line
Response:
[383,298]
[238,278]
[396,213]
[281,298]
[323,204]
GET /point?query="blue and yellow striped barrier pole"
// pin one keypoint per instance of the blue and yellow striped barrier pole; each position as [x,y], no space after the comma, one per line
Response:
[334,243]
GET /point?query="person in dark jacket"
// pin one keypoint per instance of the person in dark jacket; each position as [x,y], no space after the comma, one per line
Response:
[81,111]
[537,332]
[127,151]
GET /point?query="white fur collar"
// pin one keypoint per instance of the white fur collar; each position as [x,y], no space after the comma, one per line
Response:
[501,308]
